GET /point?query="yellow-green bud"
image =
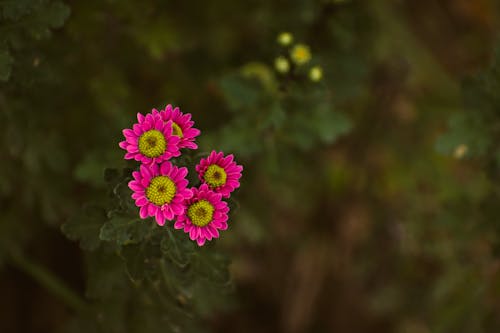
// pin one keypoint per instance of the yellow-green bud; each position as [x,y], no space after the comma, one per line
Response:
[285,38]
[460,151]
[316,73]
[282,65]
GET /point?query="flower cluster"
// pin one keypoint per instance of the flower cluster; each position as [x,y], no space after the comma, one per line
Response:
[160,188]
[297,56]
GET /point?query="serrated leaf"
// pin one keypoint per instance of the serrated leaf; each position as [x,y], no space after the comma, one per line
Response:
[330,125]
[177,248]
[321,124]
[85,227]
[125,230]
[140,259]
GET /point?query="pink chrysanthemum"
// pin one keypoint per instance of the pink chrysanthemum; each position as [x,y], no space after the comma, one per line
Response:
[220,173]
[150,140]
[160,191]
[182,126]
[204,216]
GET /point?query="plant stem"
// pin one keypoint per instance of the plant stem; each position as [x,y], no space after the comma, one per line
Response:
[49,281]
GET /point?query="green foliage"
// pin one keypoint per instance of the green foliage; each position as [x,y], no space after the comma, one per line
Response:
[477,125]
[24,22]
[346,220]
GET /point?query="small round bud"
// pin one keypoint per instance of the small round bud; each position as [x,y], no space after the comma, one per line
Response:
[282,65]
[285,38]
[300,54]
[316,74]
[460,151]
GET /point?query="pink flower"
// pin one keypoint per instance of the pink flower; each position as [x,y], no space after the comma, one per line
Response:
[205,215]
[220,173]
[182,126]
[160,191]
[150,140]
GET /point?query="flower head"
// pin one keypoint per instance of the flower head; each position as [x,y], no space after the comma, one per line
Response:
[281,64]
[160,191]
[182,126]
[204,216]
[285,38]
[150,140]
[316,74]
[220,173]
[300,54]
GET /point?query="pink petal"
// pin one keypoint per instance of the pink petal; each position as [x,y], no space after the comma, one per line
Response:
[140,117]
[213,231]
[141,201]
[128,133]
[137,129]
[143,212]
[151,209]
[206,234]
[177,209]
[145,171]
[165,168]
[193,232]
[159,217]
[179,224]
[169,214]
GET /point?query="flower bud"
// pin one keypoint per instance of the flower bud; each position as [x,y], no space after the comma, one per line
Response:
[282,65]
[316,74]
[285,38]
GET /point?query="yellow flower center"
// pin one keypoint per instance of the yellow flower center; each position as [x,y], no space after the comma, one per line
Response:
[176,130]
[152,143]
[215,176]
[201,213]
[161,190]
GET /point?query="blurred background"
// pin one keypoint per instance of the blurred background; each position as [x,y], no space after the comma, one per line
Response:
[370,195]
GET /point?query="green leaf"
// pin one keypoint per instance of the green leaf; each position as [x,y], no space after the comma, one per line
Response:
[466,130]
[106,275]
[239,92]
[177,248]
[321,124]
[125,230]
[13,10]
[6,62]
[330,125]
[55,14]
[275,118]
[85,226]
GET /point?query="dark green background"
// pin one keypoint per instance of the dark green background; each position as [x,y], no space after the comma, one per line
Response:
[356,211]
